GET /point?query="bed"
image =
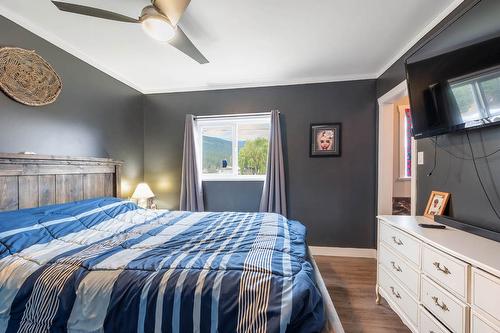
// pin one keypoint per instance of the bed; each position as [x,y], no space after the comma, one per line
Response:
[82,260]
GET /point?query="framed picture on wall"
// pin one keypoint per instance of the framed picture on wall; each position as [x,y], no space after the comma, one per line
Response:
[325,140]
[436,204]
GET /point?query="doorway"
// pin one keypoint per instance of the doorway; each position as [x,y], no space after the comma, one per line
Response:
[396,155]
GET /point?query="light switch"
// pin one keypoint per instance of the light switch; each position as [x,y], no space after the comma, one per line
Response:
[420,158]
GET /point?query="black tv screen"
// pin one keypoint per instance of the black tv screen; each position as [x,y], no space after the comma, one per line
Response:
[456,90]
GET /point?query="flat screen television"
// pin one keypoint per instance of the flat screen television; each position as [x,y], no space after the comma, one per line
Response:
[456,90]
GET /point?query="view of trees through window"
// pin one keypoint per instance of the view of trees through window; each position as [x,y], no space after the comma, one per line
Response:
[236,148]
[252,157]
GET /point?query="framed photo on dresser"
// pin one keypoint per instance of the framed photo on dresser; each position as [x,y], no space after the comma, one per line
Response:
[436,204]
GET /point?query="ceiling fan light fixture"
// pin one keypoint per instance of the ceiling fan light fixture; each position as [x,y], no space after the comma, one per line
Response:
[156,25]
[158,28]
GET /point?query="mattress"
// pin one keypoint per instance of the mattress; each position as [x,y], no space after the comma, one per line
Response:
[106,265]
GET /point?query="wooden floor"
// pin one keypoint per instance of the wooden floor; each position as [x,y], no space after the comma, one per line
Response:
[351,284]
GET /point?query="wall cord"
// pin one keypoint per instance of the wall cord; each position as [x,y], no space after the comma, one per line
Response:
[479,176]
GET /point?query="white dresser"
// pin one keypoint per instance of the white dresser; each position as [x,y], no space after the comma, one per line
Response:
[438,280]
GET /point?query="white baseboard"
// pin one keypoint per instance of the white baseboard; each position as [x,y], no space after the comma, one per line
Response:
[343,252]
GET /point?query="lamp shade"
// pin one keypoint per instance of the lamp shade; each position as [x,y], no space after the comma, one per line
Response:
[143,191]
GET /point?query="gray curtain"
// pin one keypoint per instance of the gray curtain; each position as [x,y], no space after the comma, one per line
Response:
[273,195]
[191,187]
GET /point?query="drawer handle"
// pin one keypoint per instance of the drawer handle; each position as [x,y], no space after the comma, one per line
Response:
[445,269]
[397,241]
[442,305]
[395,293]
[396,267]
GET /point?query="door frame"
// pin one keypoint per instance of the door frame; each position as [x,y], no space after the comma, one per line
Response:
[385,163]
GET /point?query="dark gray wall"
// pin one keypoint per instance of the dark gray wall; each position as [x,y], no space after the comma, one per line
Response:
[241,196]
[476,21]
[468,203]
[95,115]
[333,197]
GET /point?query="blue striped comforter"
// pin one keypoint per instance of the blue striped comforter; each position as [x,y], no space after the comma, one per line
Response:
[105,265]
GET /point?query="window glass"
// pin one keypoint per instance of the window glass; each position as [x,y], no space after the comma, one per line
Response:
[405,142]
[407,148]
[217,150]
[253,144]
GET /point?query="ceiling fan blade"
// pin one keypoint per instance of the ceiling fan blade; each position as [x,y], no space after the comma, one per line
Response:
[94,12]
[173,9]
[182,43]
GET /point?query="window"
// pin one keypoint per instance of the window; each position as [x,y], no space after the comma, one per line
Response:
[405,142]
[234,147]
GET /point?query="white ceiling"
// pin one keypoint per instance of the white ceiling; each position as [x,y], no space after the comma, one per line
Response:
[249,43]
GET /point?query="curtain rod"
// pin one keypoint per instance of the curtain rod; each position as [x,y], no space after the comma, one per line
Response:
[259,114]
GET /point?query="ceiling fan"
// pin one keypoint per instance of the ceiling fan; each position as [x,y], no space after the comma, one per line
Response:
[159,21]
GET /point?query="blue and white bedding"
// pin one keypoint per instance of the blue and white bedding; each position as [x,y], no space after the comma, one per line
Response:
[105,265]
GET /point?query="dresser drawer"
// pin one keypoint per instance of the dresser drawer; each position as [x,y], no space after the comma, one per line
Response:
[398,295]
[398,267]
[450,272]
[429,324]
[444,306]
[486,294]
[404,244]
[480,325]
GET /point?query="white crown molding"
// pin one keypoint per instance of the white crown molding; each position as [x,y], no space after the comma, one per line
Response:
[258,84]
[54,39]
[343,252]
[419,36]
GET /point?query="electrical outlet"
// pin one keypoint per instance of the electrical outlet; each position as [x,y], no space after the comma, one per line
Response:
[420,158]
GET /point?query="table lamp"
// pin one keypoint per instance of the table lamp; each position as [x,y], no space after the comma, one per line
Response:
[142,193]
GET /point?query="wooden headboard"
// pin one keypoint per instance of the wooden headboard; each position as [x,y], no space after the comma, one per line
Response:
[28,181]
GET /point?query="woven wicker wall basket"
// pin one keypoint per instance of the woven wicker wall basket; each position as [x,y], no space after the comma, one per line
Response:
[28,78]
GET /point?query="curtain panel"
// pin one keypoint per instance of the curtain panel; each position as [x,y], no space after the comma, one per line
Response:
[191,186]
[273,194]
